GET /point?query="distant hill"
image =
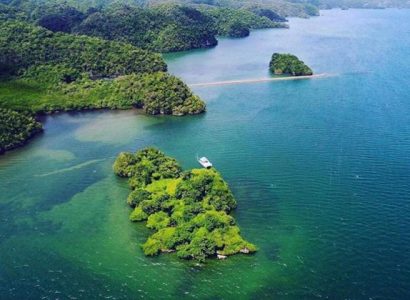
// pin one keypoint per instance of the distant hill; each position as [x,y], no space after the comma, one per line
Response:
[326,4]
[281,7]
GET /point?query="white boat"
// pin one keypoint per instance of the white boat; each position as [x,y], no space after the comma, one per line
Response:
[205,162]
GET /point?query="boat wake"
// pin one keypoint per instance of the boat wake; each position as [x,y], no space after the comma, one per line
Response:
[75,167]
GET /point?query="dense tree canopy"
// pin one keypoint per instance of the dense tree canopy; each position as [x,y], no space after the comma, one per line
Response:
[295,8]
[65,72]
[43,72]
[188,212]
[238,22]
[62,88]
[268,13]
[62,18]
[164,28]
[23,45]
[16,128]
[161,28]
[10,13]
[288,64]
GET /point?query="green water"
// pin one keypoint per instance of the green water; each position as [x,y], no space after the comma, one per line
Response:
[320,169]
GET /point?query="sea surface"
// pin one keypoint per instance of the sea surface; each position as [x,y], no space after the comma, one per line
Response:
[320,169]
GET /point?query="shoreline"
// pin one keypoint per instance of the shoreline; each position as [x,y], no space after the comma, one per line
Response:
[257,80]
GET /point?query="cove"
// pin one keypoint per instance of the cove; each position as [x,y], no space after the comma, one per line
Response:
[322,185]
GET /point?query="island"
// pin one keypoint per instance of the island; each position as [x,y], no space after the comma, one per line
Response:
[288,64]
[187,211]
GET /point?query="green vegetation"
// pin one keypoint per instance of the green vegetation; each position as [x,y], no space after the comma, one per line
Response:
[44,89]
[60,72]
[44,72]
[23,45]
[288,64]
[294,8]
[10,13]
[188,212]
[16,128]
[238,22]
[164,28]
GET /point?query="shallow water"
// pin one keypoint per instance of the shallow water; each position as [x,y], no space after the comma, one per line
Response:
[320,169]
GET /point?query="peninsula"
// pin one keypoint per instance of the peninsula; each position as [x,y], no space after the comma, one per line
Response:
[188,211]
[45,72]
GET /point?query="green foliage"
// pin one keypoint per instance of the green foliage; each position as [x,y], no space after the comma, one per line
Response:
[187,211]
[295,8]
[145,165]
[63,88]
[268,13]
[152,247]
[288,64]
[137,196]
[43,72]
[158,220]
[164,28]
[23,45]
[57,17]
[52,74]
[158,93]
[238,22]
[10,13]
[138,215]
[16,128]
[124,164]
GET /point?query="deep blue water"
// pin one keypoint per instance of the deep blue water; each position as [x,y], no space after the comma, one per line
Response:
[320,169]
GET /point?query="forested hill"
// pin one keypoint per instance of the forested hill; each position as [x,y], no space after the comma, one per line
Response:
[23,45]
[282,7]
[326,4]
[165,28]
[161,28]
[45,72]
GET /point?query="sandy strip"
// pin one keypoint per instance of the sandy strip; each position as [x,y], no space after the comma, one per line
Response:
[242,81]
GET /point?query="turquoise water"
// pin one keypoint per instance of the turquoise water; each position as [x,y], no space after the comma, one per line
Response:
[320,169]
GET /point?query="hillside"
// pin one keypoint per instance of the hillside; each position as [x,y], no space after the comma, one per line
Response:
[159,28]
[45,72]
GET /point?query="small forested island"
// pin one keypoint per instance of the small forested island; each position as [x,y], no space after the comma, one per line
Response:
[288,64]
[188,211]
[16,128]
